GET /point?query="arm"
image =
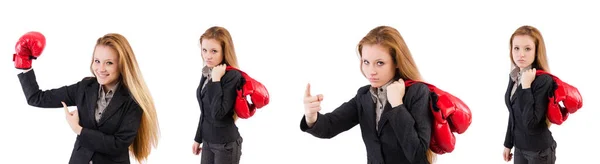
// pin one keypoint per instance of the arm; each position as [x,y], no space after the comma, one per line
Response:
[222,94]
[198,137]
[413,129]
[98,141]
[48,98]
[331,124]
[534,101]
[508,140]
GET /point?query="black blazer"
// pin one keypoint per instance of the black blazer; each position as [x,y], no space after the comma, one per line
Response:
[527,128]
[216,124]
[104,142]
[404,131]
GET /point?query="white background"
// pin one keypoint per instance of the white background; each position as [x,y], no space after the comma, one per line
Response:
[460,47]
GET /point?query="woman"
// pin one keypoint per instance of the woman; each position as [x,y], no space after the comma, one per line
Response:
[527,100]
[115,112]
[217,132]
[396,127]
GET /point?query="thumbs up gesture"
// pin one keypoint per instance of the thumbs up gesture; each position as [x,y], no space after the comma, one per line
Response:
[312,105]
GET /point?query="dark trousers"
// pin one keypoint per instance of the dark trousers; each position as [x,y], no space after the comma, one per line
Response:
[546,156]
[223,153]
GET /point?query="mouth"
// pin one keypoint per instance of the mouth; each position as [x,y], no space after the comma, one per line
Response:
[521,61]
[102,75]
[372,79]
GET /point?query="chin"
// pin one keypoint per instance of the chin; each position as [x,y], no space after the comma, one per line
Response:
[376,85]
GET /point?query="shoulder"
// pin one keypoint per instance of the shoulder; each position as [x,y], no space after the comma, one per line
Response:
[88,81]
[542,80]
[232,75]
[363,90]
[418,88]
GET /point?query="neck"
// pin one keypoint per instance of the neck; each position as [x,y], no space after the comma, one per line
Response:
[524,68]
[107,87]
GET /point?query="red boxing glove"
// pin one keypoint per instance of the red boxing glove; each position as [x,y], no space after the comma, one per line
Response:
[28,48]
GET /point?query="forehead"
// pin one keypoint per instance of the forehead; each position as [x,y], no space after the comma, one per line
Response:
[523,40]
[210,43]
[375,51]
[105,52]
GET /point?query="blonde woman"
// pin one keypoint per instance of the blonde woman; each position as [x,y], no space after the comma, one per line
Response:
[217,137]
[395,120]
[527,100]
[115,112]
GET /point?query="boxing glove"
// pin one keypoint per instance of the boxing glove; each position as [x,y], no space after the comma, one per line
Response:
[556,114]
[461,119]
[28,48]
[572,99]
[442,139]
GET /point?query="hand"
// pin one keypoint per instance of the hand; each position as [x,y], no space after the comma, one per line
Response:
[72,119]
[507,155]
[395,92]
[218,72]
[196,149]
[527,78]
[312,105]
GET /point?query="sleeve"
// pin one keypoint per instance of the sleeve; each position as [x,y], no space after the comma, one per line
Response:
[413,128]
[48,98]
[223,93]
[98,141]
[508,140]
[331,124]
[534,101]
[198,137]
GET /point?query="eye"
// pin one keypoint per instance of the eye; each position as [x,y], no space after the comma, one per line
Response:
[203,50]
[380,63]
[96,61]
[365,62]
[516,48]
[527,49]
[214,51]
[109,63]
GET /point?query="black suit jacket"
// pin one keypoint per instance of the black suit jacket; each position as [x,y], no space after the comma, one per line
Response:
[527,128]
[104,142]
[404,131]
[217,100]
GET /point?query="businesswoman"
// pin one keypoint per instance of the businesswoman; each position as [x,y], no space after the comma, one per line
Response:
[217,132]
[395,121]
[527,101]
[115,112]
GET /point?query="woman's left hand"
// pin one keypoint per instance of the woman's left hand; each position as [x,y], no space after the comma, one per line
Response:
[218,72]
[72,119]
[395,92]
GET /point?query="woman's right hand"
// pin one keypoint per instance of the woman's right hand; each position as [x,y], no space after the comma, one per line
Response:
[507,155]
[196,149]
[312,105]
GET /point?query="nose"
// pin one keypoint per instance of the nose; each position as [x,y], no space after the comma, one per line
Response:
[371,70]
[521,54]
[102,67]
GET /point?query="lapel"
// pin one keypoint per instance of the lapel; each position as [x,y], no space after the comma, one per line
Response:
[369,110]
[202,90]
[92,100]
[384,117]
[507,98]
[119,97]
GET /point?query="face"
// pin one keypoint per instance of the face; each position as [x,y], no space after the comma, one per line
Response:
[523,51]
[105,65]
[377,65]
[212,53]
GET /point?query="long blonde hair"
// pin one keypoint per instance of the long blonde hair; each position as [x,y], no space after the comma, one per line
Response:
[390,38]
[148,132]
[222,36]
[541,60]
